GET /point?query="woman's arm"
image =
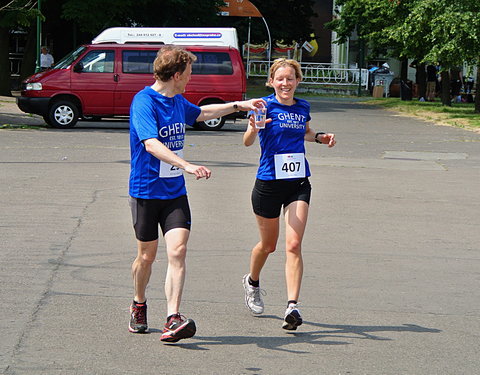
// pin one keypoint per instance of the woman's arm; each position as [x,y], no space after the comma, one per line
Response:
[251,133]
[319,137]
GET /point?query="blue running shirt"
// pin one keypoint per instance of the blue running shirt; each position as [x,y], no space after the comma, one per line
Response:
[153,115]
[284,137]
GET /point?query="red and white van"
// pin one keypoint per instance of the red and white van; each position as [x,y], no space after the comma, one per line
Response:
[100,80]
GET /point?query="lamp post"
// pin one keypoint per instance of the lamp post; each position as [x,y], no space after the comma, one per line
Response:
[269,51]
[39,35]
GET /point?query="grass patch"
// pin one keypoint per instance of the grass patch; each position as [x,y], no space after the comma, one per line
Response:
[461,115]
[20,126]
[256,88]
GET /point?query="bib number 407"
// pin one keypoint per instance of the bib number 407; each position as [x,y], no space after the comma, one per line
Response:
[291,167]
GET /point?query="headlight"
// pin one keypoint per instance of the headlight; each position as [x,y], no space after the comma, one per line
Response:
[33,86]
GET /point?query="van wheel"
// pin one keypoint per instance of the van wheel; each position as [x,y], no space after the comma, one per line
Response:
[213,124]
[63,114]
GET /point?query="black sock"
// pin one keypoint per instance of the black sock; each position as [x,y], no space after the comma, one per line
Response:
[291,301]
[139,303]
[255,284]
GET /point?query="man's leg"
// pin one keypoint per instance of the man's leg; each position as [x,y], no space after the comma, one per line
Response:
[142,268]
[177,327]
[176,243]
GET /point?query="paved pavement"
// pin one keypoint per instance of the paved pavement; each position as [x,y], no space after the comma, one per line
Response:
[392,253]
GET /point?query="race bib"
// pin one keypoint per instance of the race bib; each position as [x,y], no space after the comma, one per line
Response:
[168,170]
[289,166]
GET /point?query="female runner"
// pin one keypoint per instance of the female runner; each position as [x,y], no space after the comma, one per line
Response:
[282,180]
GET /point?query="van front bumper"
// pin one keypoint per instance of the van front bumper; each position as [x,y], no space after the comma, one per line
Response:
[38,106]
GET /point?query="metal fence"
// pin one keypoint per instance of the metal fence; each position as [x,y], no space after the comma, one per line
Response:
[317,73]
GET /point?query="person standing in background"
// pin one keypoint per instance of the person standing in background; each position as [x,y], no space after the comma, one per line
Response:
[432,82]
[46,60]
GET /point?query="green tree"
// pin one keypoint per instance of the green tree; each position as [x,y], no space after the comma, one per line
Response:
[282,18]
[446,32]
[88,17]
[368,19]
[140,13]
[13,14]
[288,20]
[454,37]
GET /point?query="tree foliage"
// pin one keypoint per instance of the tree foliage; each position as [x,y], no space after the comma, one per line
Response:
[140,13]
[200,13]
[17,13]
[288,20]
[90,17]
[445,32]
[13,14]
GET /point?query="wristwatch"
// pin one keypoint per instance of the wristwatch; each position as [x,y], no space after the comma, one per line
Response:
[316,135]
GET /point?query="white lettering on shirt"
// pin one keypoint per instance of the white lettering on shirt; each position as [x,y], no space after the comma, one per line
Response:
[172,129]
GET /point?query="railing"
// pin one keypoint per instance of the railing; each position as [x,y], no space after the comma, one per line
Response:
[317,73]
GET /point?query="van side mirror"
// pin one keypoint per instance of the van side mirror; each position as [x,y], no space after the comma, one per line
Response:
[78,68]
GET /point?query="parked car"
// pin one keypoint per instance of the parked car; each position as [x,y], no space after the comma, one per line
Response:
[100,80]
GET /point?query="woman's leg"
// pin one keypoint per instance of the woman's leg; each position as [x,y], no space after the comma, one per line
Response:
[296,214]
[269,230]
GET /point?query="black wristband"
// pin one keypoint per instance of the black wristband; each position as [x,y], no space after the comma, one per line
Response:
[316,135]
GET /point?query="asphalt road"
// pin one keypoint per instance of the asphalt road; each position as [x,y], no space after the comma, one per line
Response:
[392,253]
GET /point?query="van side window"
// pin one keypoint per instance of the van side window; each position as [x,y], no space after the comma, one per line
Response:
[217,63]
[138,61]
[98,61]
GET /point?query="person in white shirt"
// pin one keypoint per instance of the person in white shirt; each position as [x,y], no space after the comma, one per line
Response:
[46,60]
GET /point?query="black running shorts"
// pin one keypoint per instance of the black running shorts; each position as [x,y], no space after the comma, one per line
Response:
[148,213]
[268,197]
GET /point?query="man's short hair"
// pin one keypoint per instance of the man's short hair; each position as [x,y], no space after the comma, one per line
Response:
[171,59]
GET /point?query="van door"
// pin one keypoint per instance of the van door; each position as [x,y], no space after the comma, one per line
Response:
[136,73]
[94,83]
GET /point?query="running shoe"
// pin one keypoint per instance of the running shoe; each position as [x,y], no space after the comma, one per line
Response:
[178,327]
[253,297]
[293,319]
[138,318]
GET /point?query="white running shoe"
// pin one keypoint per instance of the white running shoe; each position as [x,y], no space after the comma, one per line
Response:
[253,298]
[293,319]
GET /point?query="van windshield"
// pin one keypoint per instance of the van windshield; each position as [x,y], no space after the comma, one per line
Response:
[71,57]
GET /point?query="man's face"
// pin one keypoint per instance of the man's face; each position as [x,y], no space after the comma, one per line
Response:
[184,78]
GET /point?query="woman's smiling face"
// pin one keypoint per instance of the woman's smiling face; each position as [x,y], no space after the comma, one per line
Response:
[285,82]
